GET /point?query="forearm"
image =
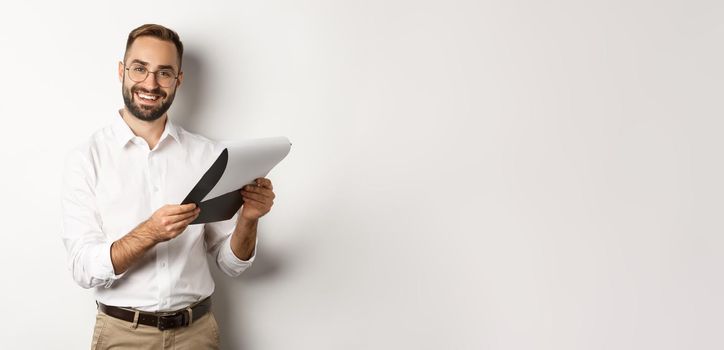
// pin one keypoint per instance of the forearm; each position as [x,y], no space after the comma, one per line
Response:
[243,240]
[130,248]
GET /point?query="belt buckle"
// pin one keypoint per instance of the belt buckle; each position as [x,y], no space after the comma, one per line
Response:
[170,321]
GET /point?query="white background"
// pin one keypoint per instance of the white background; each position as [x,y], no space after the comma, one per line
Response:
[464,175]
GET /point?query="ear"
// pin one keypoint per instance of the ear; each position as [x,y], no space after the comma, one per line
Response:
[180,79]
[120,71]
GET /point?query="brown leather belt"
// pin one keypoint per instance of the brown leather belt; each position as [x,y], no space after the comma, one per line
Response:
[161,320]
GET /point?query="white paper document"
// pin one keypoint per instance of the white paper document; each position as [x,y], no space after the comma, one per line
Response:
[217,192]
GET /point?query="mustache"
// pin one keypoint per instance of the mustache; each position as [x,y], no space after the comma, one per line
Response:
[156,91]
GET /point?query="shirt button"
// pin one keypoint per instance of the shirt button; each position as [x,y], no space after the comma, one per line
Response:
[163,264]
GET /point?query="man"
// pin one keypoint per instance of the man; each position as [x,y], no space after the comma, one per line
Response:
[147,265]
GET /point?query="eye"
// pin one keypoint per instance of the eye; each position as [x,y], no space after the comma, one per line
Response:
[139,69]
[166,73]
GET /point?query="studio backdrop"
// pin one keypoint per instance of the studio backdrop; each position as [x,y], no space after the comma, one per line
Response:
[464,174]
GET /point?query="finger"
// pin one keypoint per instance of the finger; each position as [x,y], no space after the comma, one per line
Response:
[251,187]
[256,196]
[264,182]
[260,190]
[183,216]
[258,204]
[255,200]
[266,192]
[181,208]
[180,226]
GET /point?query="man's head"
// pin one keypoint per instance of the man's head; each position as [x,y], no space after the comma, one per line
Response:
[151,48]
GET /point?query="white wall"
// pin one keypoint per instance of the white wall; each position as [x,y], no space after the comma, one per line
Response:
[464,175]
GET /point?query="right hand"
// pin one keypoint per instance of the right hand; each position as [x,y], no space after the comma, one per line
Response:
[170,220]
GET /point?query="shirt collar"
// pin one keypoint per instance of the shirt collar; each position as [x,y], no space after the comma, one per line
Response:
[124,134]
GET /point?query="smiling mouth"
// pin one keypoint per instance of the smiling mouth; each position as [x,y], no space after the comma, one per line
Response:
[147,98]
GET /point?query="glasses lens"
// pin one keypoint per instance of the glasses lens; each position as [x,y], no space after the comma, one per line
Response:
[165,77]
[137,72]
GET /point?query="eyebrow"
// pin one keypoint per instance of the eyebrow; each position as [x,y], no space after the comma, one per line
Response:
[163,66]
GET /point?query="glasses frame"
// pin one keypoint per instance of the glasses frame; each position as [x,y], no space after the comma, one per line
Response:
[148,71]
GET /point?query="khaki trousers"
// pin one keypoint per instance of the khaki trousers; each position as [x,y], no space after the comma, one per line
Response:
[112,333]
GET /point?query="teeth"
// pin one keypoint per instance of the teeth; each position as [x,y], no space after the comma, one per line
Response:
[147,97]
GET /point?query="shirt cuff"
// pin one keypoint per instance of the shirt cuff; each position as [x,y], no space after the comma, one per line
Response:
[105,268]
[231,261]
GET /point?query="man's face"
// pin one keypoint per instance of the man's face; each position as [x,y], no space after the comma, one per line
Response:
[147,100]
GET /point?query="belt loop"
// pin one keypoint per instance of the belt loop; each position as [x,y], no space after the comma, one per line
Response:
[134,324]
[191,315]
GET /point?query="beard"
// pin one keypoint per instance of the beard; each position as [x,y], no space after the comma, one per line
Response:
[143,112]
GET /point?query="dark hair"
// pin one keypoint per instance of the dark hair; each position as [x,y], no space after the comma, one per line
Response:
[157,31]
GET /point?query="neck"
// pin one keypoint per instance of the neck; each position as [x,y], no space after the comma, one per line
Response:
[149,131]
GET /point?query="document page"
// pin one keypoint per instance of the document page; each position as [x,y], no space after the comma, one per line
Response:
[217,192]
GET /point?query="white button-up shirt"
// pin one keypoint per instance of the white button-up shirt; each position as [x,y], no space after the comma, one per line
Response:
[113,182]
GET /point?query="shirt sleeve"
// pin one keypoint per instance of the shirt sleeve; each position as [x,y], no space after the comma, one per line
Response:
[88,248]
[218,241]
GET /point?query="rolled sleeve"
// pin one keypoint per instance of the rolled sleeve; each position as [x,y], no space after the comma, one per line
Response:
[218,235]
[88,248]
[100,266]
[230,263]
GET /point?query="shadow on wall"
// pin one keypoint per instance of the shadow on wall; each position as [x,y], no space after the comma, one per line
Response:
[230,296]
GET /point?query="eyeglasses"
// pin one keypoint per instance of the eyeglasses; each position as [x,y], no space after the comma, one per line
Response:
[164,77]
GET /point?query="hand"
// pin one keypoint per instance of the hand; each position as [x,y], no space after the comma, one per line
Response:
[258,199]
[170,220]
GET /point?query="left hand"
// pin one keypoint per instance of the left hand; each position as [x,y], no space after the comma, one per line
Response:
[258,199]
